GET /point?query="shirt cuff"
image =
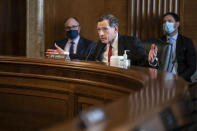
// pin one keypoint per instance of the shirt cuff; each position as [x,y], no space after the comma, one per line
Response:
[66,53]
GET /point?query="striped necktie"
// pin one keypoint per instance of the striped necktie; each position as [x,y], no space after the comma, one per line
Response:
[172,57]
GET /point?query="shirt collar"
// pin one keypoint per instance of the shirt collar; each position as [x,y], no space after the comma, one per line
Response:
[76,40]
[115,42]
[173,37]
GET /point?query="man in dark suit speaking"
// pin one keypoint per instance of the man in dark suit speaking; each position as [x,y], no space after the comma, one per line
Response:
[77,47]
[113,44]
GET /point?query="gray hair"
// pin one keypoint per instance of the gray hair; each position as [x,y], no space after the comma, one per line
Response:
[113,21]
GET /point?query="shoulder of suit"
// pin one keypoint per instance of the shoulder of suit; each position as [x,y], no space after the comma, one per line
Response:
[86,40]
[61,41]
[127,38]
[184,38]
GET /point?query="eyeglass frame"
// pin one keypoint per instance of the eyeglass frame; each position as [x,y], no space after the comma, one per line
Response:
[104,29]
[71,27]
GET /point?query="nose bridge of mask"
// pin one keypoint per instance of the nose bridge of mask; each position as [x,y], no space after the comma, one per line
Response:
[169,23]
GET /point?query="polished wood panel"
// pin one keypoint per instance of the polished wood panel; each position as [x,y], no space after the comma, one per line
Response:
[13,27]
[45,88]
[76,70]
[91,83]
[34,99]
[190,20]
[151,108]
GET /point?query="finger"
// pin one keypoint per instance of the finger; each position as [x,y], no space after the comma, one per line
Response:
[59,50]
[153,46]
[56,46]
[150,54]
[150,58]
[50,50]
[156,48]
[155,54]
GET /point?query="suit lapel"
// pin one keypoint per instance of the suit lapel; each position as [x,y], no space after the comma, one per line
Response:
[120,45]
[63,44]
[164,39]
[100,50]
[178,44]
[80,46]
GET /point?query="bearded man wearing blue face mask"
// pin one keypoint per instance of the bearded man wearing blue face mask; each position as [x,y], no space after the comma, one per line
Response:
[183,57]
[77,47]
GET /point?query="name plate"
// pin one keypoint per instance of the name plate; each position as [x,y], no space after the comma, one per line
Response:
[57,56]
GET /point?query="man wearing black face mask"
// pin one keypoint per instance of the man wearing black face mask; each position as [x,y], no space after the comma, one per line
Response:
[77,47]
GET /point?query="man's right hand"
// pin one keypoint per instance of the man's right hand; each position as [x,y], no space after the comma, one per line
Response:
[58,50]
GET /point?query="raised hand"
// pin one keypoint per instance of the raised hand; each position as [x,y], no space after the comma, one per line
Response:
[152,53]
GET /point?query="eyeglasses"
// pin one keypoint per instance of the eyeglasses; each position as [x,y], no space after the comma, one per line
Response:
[104,29]
[75,27]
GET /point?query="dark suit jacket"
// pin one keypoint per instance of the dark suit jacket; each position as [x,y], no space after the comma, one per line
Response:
[84,48]
[185,56]
[137,53]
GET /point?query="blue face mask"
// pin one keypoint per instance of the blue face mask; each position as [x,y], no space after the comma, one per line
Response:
[72,34]
[168,27]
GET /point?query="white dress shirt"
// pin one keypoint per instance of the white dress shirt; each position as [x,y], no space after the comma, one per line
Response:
[68,45]
[114,50]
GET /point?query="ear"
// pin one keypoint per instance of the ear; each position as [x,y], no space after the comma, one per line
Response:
[79,29]
[177,24]
[116,28]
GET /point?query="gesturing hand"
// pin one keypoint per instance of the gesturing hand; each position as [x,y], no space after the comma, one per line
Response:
[58,50]
[152,53]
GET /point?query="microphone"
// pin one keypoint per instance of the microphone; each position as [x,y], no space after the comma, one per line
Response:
[90,52]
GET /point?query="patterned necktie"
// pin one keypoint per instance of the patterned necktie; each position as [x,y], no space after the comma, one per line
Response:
[109,53]
[72,47]
[171,62]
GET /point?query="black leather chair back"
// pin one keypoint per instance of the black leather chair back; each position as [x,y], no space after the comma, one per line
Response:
[164,51]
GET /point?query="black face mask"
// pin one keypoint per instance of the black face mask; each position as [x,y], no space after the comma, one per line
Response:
[72,34]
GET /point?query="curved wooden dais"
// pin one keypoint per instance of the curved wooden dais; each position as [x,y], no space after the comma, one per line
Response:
[38,93]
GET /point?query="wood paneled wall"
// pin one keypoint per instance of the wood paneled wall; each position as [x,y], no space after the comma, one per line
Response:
[141,18]
[145,16]
[12,27]
[87,11]
[189,24]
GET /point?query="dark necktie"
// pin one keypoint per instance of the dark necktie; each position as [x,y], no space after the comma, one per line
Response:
[72,47]
[109,53]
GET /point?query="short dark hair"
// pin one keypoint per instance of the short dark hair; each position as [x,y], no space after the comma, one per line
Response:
[113,21]
[72,18]
[174,15]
